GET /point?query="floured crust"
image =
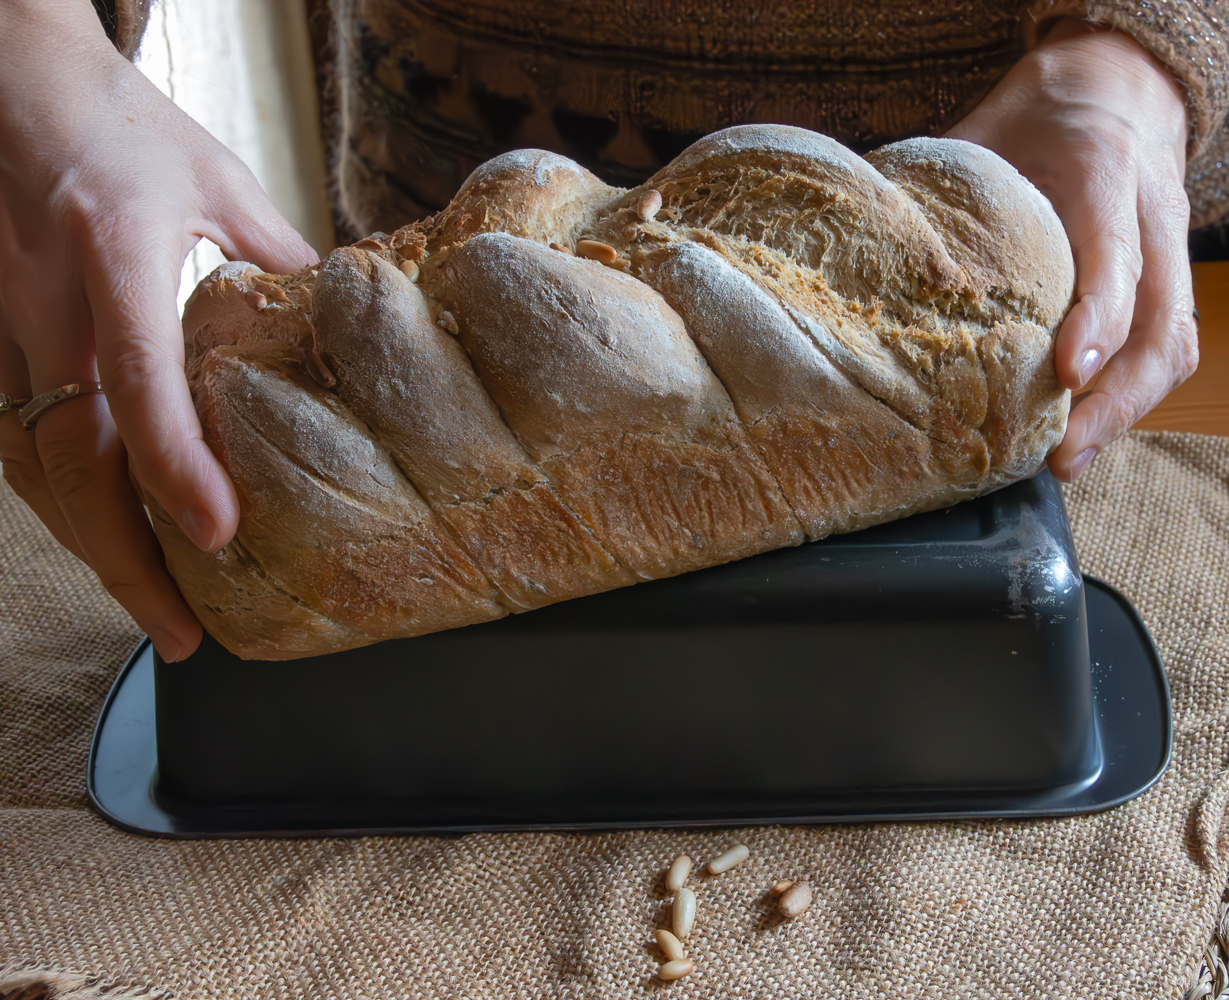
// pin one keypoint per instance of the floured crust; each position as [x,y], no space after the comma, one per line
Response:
[458,421]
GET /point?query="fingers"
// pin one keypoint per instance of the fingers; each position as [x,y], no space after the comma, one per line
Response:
[140,359]
[86,469]
[1133,382]
[23,470]
[246,226]
[1101,216]
[1162,348]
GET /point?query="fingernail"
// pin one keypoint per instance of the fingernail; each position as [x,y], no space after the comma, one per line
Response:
[169,648]
[199,527]
[1082,461]
[1090,364]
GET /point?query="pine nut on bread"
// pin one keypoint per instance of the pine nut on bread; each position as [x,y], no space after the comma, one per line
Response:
[457,422]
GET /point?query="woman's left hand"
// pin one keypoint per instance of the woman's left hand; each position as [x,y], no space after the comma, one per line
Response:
[1092,119]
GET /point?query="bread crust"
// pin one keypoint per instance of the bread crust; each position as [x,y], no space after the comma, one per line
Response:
[456,421]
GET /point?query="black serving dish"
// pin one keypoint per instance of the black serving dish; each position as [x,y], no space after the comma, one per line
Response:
[953,664]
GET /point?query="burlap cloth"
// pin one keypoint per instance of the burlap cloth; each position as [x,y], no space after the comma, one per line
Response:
[1120,904]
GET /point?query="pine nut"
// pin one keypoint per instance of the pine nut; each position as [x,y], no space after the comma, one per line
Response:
[448,321]
[780,887]
[670,946]
[410,269]
[795,900]
[649,204]
[732,858]
[560,247]
[676,877]
[684,913]
[318,370]
[603,253]
[255,299]
[675,970]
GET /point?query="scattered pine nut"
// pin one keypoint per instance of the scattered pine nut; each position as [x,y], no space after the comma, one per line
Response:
[410,269]
[318,370]
[676,969]
[603,253]
[676,877]
[448,321]
[649,204]
[255,299]
[732,858]
[274,291]
[684,913]
[780,887]
[795,900]
[670,946]
[560,247]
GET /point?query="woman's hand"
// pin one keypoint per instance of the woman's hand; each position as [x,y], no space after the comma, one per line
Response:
[1099,126]
[105,186]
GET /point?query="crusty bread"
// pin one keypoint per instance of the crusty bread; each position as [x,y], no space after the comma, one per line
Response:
[458,421]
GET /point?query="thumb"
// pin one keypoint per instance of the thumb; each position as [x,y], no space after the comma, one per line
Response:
[246,225]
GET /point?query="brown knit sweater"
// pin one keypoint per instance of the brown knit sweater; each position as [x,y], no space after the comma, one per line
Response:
[416,93]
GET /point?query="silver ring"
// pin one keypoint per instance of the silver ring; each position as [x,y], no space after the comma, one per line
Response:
[40,404]
[8,402]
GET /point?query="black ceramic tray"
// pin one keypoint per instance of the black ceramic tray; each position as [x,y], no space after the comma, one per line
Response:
[953,664]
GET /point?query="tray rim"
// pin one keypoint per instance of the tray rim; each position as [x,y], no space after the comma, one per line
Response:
[172,826]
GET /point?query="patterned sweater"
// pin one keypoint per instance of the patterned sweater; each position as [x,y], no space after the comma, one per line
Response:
[416,93]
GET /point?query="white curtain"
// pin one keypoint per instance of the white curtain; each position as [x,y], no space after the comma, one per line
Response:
[243,69]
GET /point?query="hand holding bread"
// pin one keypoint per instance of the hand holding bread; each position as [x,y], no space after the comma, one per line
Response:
[105,187]
[1099,125]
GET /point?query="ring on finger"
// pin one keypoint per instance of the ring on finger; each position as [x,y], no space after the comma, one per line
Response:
[40,404]
[8,402]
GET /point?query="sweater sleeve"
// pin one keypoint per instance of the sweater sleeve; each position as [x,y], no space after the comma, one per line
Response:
[125,22]
[1191,37]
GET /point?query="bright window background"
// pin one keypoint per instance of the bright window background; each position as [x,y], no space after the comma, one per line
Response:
[243,69]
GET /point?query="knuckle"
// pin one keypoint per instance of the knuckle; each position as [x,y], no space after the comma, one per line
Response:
[225,171]
[1117,145]
[155,466]
[127,243]
[1184,358]
[1173,203]
[1128,254]
[129,593]
[1124,409]
[24,476]
[140,360]
[71,472]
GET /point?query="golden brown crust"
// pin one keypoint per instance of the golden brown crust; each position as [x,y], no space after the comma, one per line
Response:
[467,418]
[997,227]
[413,385]
[598,377]
[330,517]
[826,439]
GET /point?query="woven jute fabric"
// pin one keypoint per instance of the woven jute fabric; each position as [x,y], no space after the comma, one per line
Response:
[1119,904]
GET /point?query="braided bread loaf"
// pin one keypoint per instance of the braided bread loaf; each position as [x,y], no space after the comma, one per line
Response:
[775,339]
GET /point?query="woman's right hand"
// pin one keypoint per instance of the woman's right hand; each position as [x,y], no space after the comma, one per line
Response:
[105,186]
